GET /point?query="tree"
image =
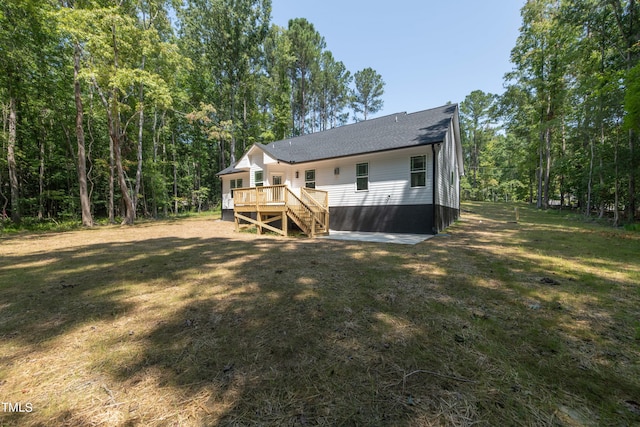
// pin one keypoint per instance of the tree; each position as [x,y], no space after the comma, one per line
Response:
[332,91]
[116,47]
[627,16]
[367,96]
[23,34]
[540,59]
[105,108]
[477,112]
[275,90]
[306,47]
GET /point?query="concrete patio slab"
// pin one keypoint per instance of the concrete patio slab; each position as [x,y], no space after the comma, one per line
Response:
[361,236]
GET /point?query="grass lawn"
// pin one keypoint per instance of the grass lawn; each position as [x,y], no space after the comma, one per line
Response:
[491,323]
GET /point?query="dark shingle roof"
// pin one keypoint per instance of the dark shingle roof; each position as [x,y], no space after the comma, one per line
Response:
[229,170]
[385,133]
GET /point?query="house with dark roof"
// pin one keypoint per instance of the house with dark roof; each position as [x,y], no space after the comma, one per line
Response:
[398,173]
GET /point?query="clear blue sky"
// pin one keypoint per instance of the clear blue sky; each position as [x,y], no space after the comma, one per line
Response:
[428,52]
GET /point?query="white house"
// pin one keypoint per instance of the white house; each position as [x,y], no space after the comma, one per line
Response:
[399,173]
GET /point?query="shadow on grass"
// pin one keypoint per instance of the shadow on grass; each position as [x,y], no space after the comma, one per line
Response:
[298,332]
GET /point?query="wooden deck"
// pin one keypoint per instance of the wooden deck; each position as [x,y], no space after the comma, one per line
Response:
[309,211]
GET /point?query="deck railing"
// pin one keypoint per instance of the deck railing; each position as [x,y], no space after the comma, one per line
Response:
[260,197]
[308,210]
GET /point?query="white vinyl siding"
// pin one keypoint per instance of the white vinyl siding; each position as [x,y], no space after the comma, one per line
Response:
[448,190]
[227,198]
[389,179]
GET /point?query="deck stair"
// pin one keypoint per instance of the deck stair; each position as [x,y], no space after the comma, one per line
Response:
[270,204]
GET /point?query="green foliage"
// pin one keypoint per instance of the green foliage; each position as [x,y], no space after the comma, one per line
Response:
[367,96]
[632,227]
[632,98]
[573,85]
[148,85]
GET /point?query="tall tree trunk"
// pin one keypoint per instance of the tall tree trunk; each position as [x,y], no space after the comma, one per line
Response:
[531,186]
[616,215]
[303,107]
[175,175]
[632,177]
[602,203]
[589,184]
[540,171]
[548,134]
[563,153]
[112,177]
[85,204]
[115,134]
[11,162]
[136,191]
[232,146]
[41,178]
[154,138]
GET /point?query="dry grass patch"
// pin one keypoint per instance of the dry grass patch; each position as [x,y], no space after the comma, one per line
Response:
[190,323]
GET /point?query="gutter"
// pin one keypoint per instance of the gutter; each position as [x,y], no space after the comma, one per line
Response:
[434,228]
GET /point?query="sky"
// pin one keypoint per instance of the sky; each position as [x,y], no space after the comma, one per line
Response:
[428,52]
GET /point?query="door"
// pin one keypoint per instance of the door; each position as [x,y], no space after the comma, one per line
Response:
[278,193]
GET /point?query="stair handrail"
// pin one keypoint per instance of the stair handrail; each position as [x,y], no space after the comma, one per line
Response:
[291,201]
[305,194]
[322,216]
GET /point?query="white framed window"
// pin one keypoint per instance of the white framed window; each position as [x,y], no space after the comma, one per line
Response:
[310,178]
[258,178]
[235,183]
[362,176]
[418,171]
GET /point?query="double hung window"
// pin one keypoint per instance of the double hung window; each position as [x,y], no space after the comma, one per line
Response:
[418,171]
[258,178]
[310,178]
[362,176]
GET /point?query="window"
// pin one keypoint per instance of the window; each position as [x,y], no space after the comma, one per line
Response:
[418,171]
[258,179]
[362,176]
[276,180]
[310,178]
[235,183]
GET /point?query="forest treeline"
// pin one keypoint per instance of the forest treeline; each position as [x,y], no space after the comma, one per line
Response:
[119,108]
[565,131]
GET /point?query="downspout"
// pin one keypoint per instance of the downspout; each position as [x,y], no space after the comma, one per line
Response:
[434,226]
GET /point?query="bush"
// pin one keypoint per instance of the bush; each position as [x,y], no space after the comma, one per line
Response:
[632,227]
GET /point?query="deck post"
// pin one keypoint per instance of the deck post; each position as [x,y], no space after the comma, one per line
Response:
[285,224]
[313,225]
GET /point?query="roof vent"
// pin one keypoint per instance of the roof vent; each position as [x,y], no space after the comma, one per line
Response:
[396,119]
